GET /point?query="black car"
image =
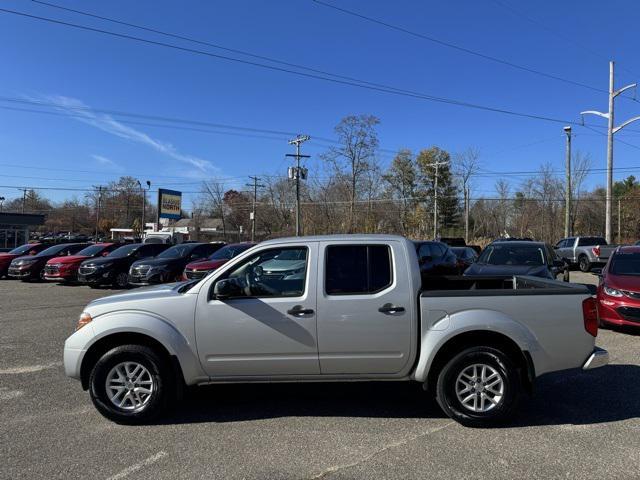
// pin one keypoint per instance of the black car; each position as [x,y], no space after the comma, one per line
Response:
[466,256]
[114,268]
[169,265]
[31,267]
[436,258]
[519,258]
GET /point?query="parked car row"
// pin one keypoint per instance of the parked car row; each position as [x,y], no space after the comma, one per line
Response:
[116,264]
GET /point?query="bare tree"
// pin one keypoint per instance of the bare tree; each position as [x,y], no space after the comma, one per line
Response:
[214,192]
[353,157]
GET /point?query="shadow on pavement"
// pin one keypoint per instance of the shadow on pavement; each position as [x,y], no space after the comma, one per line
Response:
[608,394]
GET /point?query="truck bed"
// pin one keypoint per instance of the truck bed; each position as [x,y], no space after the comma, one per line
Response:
[507,285]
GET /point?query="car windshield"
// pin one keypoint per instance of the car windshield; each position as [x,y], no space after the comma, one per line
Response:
[52,250]
[22,249]
[623,263]
[124,251]
[177,251]
[90,251]
[512,255]
[228,252]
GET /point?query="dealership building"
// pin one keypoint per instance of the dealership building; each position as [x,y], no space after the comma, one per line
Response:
[16,227]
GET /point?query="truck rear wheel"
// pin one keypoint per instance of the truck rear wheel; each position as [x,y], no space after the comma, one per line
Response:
[584,264]
[129,384]
[479,387]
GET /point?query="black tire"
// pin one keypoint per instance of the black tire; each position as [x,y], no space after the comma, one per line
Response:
[448,381]
[159,370]
[584,264]
[121,280]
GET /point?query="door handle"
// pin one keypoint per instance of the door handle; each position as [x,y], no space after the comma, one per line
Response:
[390,308]
[298,311]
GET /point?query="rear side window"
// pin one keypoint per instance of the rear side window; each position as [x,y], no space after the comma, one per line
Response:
[357,269]
[588,241]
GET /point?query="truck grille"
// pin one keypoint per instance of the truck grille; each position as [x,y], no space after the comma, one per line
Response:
[631,314]
[195,274]
[51,270]
[87,270]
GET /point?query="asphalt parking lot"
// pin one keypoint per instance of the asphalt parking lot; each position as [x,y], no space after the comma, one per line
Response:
[578,425]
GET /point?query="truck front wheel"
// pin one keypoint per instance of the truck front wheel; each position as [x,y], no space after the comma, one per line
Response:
[129,384]
[479,387]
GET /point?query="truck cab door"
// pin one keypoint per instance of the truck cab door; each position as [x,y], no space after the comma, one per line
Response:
[258,317]
[365,308]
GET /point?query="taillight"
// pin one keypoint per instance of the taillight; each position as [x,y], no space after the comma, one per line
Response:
[596,251]
[590,315]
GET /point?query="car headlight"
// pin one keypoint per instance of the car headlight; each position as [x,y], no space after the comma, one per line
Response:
[84,319]
[612,292]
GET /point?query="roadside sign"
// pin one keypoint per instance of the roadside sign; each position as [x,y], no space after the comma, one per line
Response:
[169,204]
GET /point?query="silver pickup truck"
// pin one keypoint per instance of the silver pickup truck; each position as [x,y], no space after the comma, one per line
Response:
[585,252]
[352,307]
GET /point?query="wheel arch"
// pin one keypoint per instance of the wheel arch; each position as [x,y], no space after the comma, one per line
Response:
[486,338]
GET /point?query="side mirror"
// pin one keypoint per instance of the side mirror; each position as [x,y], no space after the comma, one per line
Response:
[258,271]
[104,254]
[226,288]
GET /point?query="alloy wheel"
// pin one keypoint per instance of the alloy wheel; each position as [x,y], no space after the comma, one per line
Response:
[130,386]
[480,388]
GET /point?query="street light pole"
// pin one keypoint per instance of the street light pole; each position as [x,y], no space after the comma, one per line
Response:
[611,131]
[567,192]
[1,203]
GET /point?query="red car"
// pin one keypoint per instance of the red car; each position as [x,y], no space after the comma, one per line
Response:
[65,269]
[619,289]
[200,269]
[27,249]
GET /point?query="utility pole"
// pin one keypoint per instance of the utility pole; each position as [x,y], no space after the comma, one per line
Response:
[611,131]
[24,197]
[98,211]
[255,186]
[296,173]
[435,197]
[144,204]
[466,214]
[567,187]
[619,222]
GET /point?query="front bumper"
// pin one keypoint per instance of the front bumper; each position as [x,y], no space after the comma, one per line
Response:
[18,273]
[95,278]
[151,278]
[598,358]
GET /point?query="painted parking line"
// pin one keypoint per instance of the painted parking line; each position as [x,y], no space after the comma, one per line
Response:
[137,466]
[29,368]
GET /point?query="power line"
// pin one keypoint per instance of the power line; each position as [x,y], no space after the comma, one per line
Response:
[458,47]
[367,86]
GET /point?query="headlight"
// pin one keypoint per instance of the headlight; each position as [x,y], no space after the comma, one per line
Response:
[84,319]
[612,292]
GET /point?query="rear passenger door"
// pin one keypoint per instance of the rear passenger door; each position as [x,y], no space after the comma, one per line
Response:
[364,308]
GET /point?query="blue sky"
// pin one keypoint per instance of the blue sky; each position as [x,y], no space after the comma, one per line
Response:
[53,63]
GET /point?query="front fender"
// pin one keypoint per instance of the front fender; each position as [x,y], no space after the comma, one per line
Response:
[145,323]
[474,320]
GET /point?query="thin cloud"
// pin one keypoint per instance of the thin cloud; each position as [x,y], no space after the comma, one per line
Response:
[107,162]
[108,124]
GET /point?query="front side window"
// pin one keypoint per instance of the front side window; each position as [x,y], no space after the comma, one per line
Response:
[277,272]
[357,269]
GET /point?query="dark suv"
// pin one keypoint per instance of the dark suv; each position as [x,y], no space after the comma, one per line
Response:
[436,258]
[114,268]
[168,266]
[31,267]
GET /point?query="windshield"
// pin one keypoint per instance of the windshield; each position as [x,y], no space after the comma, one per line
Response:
[177,251]
[90,251]
[512,255]
[22,249]
[625,264]
[228,252]
[52,250]
[125,250]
